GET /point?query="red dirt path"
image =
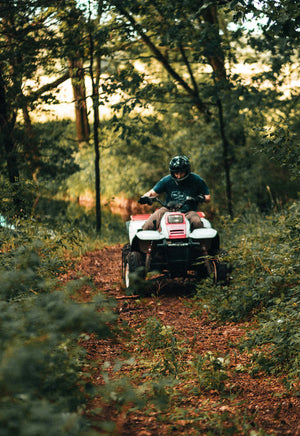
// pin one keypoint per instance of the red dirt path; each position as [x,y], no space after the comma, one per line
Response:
[264,398]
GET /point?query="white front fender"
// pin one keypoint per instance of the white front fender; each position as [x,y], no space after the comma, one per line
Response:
[149,235]
[203,233]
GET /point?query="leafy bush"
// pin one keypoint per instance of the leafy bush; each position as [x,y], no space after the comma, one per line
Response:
[41,324]
[211,371]
[161,339]
[264,253]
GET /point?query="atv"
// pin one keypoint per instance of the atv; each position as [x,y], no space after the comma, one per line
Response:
[174,250]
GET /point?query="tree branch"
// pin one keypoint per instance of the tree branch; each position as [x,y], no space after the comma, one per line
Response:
[185,59]
[36,94]
[162,59]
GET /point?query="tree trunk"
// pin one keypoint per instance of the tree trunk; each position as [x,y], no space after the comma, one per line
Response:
[79,93]
[96,142]
[95,78]
[32,154]
[97,162]
[216,59]
[217,63]
[226,159]
[6,127]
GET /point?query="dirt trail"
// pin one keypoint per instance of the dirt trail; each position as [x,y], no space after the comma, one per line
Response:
[263,398]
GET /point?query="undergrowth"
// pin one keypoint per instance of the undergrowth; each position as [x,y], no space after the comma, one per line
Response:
[41,324]
[264,254]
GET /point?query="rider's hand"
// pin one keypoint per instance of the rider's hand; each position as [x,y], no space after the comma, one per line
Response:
[201,198]
[145,200]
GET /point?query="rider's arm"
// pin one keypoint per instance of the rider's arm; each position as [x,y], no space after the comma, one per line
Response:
[151,194]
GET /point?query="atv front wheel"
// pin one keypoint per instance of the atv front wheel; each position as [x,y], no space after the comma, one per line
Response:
[134,268]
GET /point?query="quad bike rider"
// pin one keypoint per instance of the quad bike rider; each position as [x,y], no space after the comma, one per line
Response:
[175,239]
[179,184]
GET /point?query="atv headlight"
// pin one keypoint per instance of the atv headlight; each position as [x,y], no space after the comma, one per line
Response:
[174,219]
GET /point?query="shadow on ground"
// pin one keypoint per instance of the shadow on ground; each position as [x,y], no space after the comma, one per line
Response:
[161,285]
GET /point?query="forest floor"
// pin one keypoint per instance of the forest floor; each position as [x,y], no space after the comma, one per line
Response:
[204,398]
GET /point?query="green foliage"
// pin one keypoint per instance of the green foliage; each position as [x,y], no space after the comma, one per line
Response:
[280,145]
[41,325]
[63,225]
[211,371]
[157,336]
[278,30]
[17,199]
[54,164]
[121,392]
[264,253]
[122,396]
[161,339]
[227,423]
[279,333]
[57,150]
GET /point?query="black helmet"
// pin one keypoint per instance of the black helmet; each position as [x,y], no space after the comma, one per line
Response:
[180,164]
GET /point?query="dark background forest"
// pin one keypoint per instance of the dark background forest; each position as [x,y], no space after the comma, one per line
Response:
[217,81]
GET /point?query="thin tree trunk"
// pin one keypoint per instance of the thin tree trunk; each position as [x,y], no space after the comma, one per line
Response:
[6,127]
[97,148]
[226,159]
[217,63]
[95,98]
[97,164]
[7,122]
[79,93]
[32,154]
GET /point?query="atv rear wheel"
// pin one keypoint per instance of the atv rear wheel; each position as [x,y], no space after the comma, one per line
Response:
[134,268]
[219,272]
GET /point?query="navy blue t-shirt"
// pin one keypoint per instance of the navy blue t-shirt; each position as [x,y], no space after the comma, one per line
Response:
[192,186]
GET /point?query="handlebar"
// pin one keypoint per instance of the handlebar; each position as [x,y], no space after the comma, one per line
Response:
[172,205]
